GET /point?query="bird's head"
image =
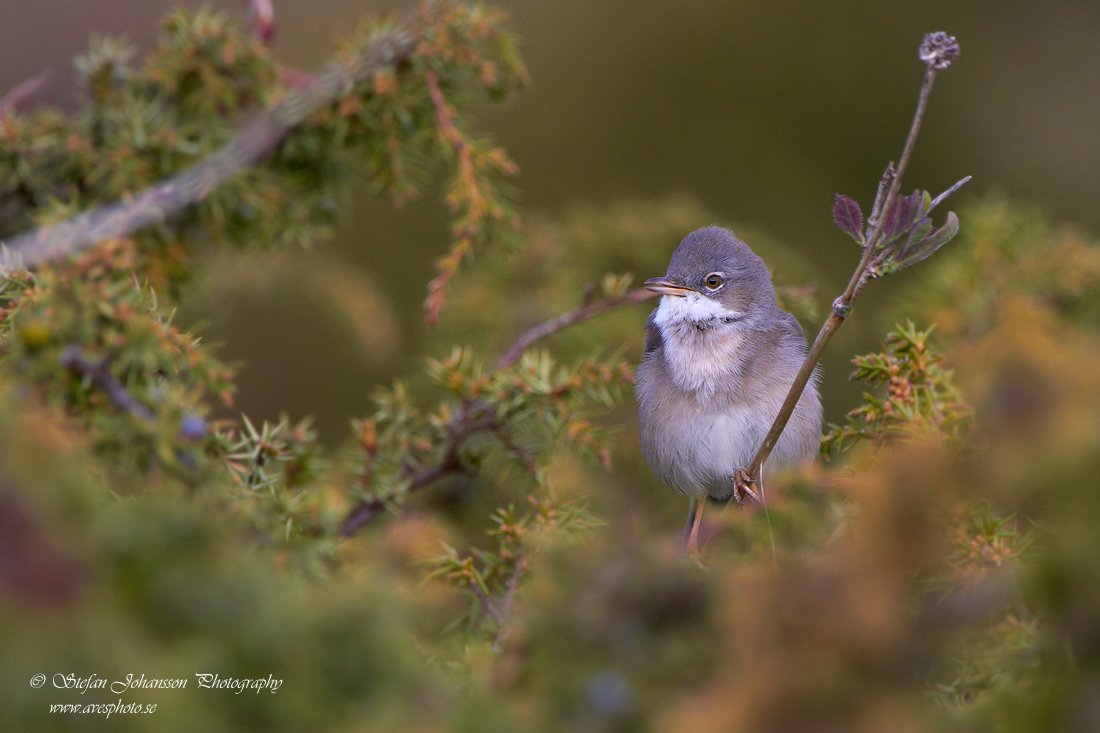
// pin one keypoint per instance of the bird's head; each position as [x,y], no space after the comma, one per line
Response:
[714,279]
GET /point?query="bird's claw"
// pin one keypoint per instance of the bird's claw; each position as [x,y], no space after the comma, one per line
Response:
[743,487]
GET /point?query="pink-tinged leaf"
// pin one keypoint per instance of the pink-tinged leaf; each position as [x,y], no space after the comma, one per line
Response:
[898,218]
[848,217]
[916,208]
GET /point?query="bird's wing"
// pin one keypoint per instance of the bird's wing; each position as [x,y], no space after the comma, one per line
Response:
[791,332]
[790,325]
[653,338]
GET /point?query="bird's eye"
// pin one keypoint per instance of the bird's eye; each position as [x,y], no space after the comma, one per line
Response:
[714,281]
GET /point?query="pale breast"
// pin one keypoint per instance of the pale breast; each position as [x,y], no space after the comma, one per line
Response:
[695,449]
[703,344]
[704,409]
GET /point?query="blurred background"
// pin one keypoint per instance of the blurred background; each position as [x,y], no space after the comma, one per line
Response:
[758,111]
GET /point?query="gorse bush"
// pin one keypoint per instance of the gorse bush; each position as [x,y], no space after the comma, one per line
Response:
[920,397]
[482,551]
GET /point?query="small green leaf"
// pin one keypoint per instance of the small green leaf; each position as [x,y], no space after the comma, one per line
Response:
[927,246]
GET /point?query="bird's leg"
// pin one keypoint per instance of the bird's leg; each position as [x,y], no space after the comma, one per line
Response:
[691,519]
[695,519]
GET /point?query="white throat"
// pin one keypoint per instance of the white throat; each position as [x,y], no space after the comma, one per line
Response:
[703,343]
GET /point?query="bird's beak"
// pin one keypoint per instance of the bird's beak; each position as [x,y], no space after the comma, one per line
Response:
[664,286]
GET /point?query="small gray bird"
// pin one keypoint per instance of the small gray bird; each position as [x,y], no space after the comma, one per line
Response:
[720,356]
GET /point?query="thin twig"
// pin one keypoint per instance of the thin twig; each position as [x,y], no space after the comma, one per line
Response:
[880,194]
[510,587]
[446,122]
[459,429]
[487,604]
[470,421]
[584,312]
[469,196]
[746,480]
[506,440]
[859,276]
[73,357]
[360,515]
[365,509]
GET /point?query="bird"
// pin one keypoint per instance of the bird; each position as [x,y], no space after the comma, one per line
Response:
[720,356]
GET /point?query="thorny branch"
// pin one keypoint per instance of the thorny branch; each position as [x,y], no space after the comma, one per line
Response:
[937,51]
[471,419]
[584,312]
[255,141]
[461,427]
[506,613]
[74,358]
[467,175]
[506,440]
[468,196]
[487,604]
[445,120]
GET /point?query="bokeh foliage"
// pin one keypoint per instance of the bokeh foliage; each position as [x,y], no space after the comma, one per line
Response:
[501,572]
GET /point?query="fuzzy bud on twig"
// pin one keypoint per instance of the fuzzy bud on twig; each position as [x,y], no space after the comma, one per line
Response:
[939,50]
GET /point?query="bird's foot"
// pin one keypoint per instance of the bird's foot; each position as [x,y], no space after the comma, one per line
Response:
[744,487]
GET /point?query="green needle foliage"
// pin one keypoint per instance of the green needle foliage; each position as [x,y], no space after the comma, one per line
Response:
[920,397]
[144,123]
